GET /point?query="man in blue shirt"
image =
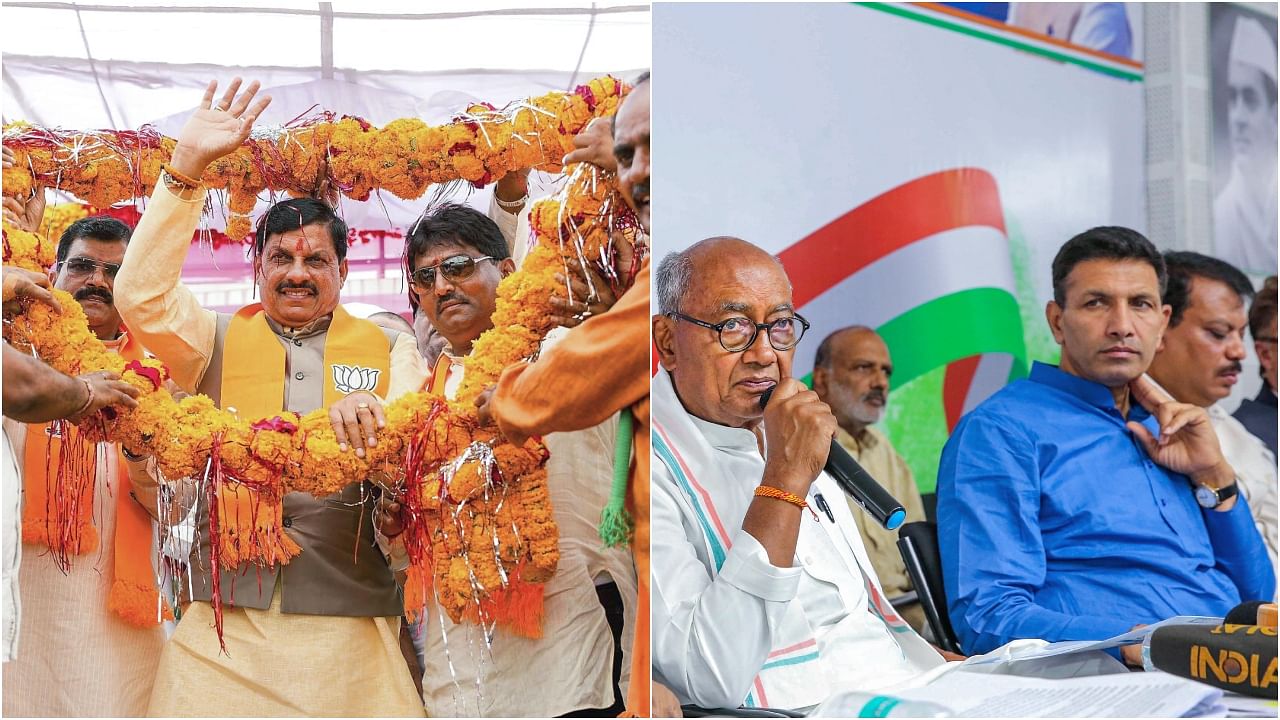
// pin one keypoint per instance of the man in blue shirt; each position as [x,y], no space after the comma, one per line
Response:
[1060,514]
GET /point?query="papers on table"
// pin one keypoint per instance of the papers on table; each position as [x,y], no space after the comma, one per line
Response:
[1122,695]
[1075,646]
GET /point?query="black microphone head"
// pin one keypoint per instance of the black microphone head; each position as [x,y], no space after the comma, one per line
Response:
[764,397]
[1244,613]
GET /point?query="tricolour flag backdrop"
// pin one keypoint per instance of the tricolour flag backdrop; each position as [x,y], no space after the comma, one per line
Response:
[914,169]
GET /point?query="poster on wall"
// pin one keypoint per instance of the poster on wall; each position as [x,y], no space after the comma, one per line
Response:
[1102,27]
[1242,48]
[914,167]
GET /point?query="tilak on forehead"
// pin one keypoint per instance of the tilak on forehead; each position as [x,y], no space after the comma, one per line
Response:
[302,242]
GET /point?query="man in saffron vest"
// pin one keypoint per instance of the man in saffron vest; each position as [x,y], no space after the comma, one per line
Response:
[316,635]
[92,610]
[458,256]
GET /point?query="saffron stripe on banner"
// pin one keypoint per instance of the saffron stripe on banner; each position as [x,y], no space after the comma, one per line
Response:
[972,26]
[923,207]
[948,262]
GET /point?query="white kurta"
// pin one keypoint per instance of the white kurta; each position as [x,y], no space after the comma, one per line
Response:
[1255,468]
[79,658]
[723,615]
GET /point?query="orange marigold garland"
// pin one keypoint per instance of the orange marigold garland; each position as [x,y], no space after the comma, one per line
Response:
[105,167]
[479,530]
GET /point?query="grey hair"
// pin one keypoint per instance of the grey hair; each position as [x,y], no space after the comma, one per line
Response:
[675,270]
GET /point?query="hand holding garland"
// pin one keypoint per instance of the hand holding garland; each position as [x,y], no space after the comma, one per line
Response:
[26,213]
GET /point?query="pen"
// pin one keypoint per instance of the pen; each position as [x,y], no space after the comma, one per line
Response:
[821,502]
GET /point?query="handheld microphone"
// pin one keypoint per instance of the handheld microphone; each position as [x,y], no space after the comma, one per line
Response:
[858,483]
[1240,658]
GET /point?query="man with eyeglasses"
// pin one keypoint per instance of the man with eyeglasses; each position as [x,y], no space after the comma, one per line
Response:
[457,257]
[763,594]
[74,590]
[851,372]
[317,635]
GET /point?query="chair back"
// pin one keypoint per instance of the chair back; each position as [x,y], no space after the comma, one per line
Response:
[918,543]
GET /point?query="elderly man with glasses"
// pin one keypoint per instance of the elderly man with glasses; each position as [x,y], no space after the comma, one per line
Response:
[763,594]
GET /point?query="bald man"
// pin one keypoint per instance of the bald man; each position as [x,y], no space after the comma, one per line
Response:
[758,599]
[851,374]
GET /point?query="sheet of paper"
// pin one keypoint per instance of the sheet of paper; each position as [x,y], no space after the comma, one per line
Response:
[1075,646]
[1125,695]
[1244,706]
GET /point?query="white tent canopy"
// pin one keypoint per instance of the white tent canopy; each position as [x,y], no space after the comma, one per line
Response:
[106,65]
[119,66]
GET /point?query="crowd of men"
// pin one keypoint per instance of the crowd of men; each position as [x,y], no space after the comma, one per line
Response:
[320,635]
[1098,495]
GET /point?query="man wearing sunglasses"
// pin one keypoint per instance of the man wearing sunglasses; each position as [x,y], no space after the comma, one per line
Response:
[457,257]
[73,591]
[746,525]
[318,635]
[601,368]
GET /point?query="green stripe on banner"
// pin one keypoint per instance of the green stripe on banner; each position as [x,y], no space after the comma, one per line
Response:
[970,322]
[936,21]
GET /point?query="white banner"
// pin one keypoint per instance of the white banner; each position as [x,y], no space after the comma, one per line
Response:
[915,168]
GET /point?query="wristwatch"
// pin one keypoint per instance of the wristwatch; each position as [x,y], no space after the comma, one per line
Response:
[1210,498]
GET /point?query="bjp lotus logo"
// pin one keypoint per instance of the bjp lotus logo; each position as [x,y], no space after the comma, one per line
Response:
[350,378]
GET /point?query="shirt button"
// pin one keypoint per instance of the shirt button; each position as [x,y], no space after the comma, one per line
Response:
[808,559]
[298,343]
[299,376]
[288,522]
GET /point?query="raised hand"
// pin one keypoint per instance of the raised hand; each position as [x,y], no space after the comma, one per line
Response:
[217,129]
[1187,442]
[24,214]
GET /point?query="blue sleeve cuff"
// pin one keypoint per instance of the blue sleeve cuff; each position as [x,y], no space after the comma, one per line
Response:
[747,568]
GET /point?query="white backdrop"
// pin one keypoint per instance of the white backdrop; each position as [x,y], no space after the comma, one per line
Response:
[893,164]
[117,65]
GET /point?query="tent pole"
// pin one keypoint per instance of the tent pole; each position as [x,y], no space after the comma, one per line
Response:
[326,40]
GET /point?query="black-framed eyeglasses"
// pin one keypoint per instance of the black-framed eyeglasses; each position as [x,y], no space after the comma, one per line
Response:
[738,333]
[454,269]
[82,267]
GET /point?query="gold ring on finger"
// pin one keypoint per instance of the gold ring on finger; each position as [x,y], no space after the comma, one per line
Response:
[362,406]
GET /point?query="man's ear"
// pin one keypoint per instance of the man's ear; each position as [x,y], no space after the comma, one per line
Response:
[1053,315]
[820,381]
[665,341]
[507,266]
[342,270]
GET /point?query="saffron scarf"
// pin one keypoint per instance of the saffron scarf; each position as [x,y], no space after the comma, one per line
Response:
[59,479]
[356,353]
